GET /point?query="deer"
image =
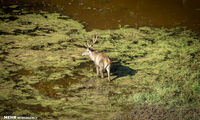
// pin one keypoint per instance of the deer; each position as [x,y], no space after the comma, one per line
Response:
[101,61]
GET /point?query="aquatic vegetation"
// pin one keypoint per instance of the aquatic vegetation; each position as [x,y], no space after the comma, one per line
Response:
[43,74]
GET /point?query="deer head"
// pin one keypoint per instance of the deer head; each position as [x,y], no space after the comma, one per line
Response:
[89,46]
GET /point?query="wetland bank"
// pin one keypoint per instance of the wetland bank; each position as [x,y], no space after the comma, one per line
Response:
[155,71]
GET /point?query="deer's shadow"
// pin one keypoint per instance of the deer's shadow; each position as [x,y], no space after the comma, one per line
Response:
[119,70]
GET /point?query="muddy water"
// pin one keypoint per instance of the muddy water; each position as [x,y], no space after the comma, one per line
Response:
[111,14]
[49,88]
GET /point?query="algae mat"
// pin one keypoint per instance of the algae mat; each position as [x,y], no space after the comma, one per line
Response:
[155,71]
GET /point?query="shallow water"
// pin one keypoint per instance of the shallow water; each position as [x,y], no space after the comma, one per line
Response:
[111,14]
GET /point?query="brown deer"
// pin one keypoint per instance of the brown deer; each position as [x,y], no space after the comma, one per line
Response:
[101,61]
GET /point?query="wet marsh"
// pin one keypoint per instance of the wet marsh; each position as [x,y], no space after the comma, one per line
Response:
[155,71]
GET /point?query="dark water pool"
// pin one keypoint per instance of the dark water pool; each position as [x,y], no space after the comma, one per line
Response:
[111,14]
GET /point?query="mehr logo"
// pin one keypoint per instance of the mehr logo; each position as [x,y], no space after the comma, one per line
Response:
[19,118]
[10,117]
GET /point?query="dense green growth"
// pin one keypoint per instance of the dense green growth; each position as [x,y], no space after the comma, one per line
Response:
[42,73]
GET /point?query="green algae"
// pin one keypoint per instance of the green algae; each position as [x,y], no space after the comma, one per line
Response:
[43,73]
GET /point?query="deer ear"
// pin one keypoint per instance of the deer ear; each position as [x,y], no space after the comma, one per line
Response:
[91,49]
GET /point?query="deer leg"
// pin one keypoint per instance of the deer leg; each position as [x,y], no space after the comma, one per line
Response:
[97,69]
[101,71]
[108,71]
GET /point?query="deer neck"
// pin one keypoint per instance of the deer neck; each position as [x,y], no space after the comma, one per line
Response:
[92,55]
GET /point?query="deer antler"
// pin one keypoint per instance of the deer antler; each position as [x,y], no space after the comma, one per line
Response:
[87,45]
[94,39]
